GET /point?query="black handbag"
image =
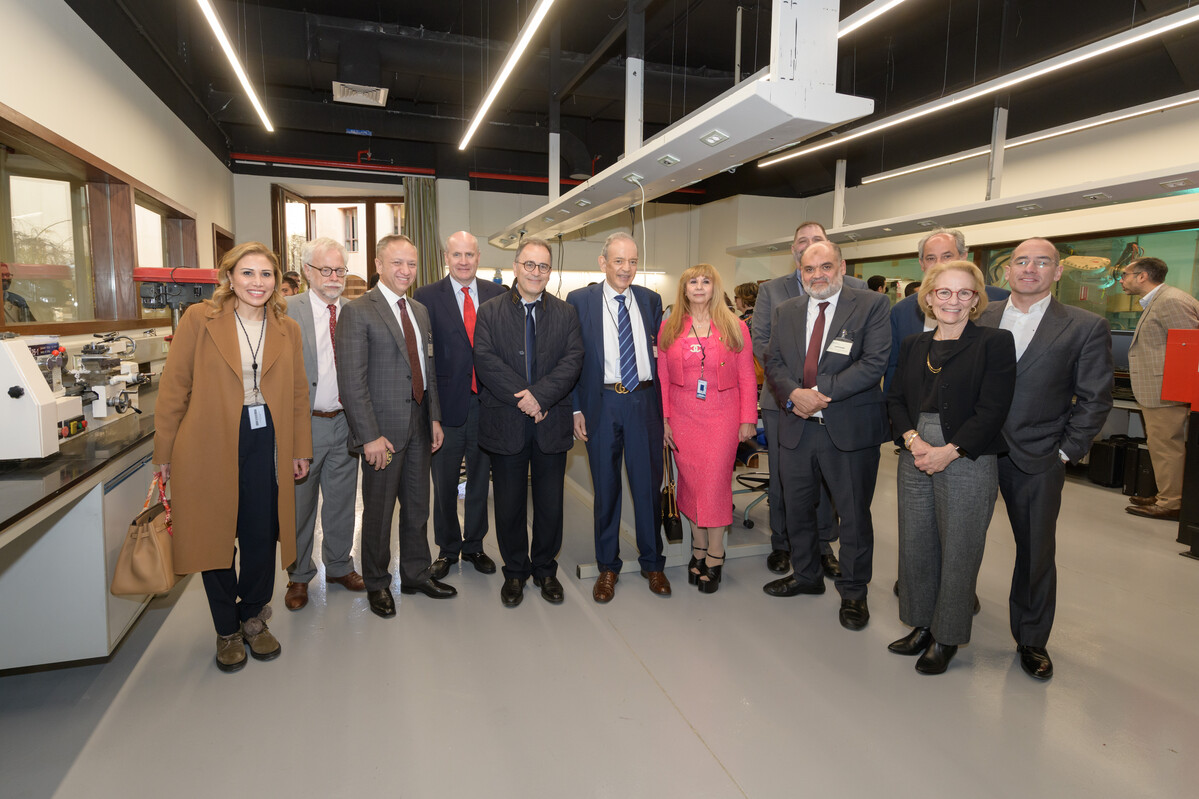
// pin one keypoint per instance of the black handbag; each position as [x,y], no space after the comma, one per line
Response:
[672,524]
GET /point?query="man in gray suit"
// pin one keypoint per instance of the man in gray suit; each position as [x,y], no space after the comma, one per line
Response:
[334,472]
[387,378]
[825,365]
[1062,397]
[771,294]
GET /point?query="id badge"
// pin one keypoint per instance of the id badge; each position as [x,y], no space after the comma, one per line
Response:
[841,346]
[655,352]
[701,389]
[257,417]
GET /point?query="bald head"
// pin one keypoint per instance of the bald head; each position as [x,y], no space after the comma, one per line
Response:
[462,256]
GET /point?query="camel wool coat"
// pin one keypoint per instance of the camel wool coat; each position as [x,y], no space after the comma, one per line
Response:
[197,421]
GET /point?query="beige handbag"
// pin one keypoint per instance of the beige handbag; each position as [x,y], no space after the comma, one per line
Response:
[145,565]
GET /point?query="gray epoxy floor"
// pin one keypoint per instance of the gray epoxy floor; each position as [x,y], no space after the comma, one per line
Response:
[728,695]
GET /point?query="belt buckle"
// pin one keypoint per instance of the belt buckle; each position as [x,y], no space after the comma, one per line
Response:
[620,389]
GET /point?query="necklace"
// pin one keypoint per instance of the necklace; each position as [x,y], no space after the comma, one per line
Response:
[929,362]
[253,350]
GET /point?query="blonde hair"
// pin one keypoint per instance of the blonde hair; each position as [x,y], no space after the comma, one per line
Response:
[929,285]
[224,291]
[728,325]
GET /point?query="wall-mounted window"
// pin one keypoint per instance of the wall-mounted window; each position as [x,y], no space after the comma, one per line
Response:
[390,218]
[349,218]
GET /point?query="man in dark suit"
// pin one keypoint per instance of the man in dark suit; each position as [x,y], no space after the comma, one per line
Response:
[334,471]
[618,408]
[385,367]
[1063,395]
[771,294]
[826,358]
[453,303]
[939,246]
[527,358]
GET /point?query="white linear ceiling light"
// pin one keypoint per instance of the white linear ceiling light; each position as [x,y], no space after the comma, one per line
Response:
[219,30]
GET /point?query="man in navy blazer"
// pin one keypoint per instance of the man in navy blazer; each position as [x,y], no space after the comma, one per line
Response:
[939,246]
[453,303]
[827,355]
[618,408]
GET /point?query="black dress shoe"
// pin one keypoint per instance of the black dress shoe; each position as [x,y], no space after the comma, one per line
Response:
[512,592]
[936,658]
[1035,662]
[439,568]
[789,586]
[430,588]
[779,561]
[913,643]
[551,589]
[854,614]
[832,569]
[381,602]
[481,562]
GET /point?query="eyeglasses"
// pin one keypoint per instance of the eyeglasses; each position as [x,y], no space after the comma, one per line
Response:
[1130,273]
[1041,263]
[329,270]
[533,266]
[965,295]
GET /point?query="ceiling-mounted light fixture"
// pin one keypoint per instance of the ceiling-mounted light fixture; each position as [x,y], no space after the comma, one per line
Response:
[714,137]
[536,16]
[864,15]
[1085,53]
[219,30]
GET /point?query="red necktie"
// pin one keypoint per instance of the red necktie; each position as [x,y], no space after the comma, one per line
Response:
[333,330]
[418,381]
[468,319]
[812,359]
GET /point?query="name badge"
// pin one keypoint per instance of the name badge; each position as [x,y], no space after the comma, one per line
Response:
[841,346]
[701,389]
[655,352]
[429,350]
[257,417]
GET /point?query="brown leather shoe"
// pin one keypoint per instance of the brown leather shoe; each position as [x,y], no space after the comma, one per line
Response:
[1143,501]
[352,581]
[605,587]
[657,582]
[296,596]
[1154,512]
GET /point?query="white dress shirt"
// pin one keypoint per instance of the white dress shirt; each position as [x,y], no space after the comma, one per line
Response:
[612,337]
[393,300]
[1023,326]
[325,396]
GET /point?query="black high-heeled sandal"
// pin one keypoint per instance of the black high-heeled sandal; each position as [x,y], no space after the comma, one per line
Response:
[697,567]
[712,575]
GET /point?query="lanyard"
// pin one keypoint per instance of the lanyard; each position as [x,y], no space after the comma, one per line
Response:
[253,350]
[703,356]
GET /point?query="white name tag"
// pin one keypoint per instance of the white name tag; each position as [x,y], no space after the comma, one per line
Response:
[257,417]
[841,346]
[701,389]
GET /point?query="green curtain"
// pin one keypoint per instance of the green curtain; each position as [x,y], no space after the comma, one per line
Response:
[420,225]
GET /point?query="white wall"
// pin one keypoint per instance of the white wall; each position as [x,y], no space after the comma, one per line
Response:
[58,73]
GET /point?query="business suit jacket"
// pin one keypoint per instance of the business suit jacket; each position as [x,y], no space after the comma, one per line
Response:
[589,305]
[1069,358]
[197,421]
[500,368]
[975,391]
[299,308]
[451,345]
[907,319]
[772,294]
[856,416]
[1171,308]
[373,373]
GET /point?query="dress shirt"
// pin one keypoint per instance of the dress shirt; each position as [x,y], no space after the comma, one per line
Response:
[612,339]
[473,285]
[393,300]
[1148,298]
[325,397]
[1023,326]
[813,315]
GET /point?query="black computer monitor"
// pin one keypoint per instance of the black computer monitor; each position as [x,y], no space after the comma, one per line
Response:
[1121,339]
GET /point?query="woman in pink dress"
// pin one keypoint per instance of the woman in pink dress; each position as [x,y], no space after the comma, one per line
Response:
[709,405]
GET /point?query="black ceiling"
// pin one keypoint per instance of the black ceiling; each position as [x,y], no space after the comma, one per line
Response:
[437,58]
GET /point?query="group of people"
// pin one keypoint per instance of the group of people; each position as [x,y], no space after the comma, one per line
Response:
[407,390]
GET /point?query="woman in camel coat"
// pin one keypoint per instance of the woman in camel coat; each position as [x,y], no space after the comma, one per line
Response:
[232,429]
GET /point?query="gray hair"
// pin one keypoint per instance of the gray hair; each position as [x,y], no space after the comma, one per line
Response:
[531,242]
[958,239]
[619,235]
[323,244]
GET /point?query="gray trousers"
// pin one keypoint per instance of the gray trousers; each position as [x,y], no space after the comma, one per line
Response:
[943,520]
[827,523]
[333,477]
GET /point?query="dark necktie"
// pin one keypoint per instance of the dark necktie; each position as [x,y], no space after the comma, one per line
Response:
[530,343]
[418,381]
[628,351]
[812,359]
[333,330]
[468,319]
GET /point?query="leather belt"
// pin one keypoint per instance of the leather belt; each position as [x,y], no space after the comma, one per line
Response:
[328,414]
[816,420]
[620,389]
